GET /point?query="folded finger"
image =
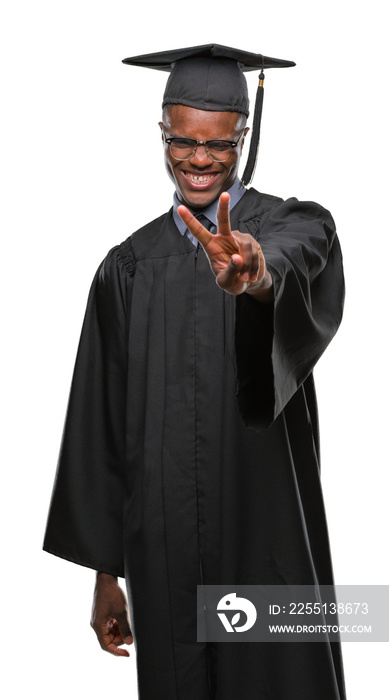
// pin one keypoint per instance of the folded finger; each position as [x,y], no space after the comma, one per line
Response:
[116,651]
[255,264]
[110,643]
[246,251]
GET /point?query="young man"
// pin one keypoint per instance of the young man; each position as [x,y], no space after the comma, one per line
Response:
[190,453]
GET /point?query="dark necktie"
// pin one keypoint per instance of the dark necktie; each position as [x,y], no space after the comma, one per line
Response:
[206,222]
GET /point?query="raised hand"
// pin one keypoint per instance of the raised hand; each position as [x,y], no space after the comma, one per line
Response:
[236,258]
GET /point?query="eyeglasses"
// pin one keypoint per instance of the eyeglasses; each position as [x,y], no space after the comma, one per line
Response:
[217,149]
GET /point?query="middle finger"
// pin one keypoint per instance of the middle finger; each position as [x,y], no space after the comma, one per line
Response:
[223,215]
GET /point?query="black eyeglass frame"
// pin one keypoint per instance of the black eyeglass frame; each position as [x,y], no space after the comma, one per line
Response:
[170,140]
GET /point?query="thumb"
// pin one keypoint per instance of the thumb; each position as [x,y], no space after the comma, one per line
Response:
[124,627]
[236,262]
[226,277]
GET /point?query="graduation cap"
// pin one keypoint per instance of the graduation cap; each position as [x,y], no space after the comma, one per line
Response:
[210,77]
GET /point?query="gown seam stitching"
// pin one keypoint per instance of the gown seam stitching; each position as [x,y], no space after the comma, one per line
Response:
[165,542]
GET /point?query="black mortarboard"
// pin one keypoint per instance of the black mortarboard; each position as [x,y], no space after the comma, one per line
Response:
[210,77]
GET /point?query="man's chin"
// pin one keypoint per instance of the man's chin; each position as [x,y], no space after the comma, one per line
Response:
[197,200]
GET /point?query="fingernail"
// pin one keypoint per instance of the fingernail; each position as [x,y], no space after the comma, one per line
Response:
[245,277]
[128,640]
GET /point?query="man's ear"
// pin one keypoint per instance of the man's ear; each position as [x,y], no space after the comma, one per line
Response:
[247,129]
[160,126]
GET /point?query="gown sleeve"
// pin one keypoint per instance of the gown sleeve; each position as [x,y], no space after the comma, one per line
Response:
[85,517]
[278,344]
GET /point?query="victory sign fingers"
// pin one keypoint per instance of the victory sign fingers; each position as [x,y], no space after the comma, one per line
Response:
[235,258]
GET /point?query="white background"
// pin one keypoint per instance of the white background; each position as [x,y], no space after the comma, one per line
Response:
[76,179]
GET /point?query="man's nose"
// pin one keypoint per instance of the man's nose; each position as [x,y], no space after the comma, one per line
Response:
[201,158]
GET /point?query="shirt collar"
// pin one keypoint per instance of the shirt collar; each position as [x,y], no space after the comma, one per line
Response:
[236,192]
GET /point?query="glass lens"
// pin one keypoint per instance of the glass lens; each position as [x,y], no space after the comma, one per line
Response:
[219,150]
[219,146]
[182,148]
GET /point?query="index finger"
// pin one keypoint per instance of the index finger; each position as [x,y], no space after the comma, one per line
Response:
[113,649]
[194,225]
[223,215]
[109,641]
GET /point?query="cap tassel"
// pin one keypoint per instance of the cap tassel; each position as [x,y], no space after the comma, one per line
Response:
[254,142]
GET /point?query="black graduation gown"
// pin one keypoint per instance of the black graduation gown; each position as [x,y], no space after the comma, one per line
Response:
[190,451]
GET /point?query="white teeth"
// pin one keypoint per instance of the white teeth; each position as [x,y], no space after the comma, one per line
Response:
[201,179]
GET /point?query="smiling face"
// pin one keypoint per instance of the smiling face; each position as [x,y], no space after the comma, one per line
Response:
[199,180]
